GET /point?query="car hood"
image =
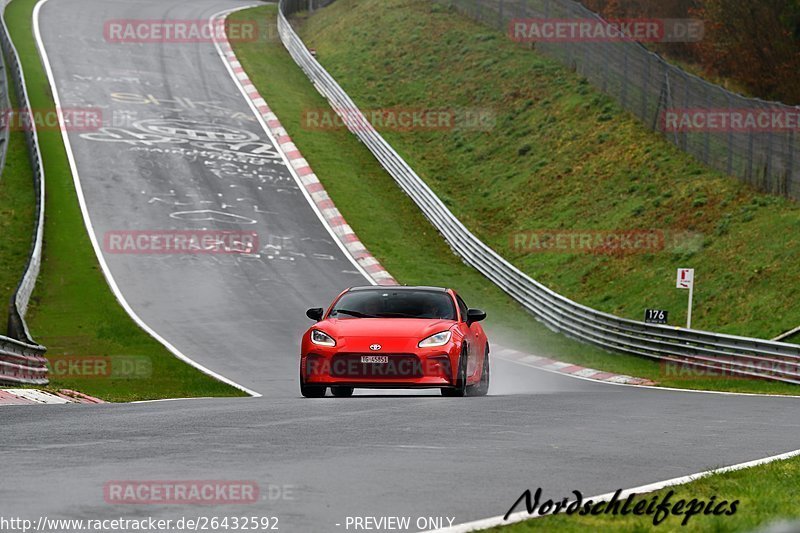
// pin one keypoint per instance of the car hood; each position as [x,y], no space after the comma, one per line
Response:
[415,328]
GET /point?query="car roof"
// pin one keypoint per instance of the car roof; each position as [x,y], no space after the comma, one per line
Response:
[397,287]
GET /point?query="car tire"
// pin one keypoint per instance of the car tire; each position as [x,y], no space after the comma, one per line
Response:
[460,388]
[482,387]
[311,391]
[342,392]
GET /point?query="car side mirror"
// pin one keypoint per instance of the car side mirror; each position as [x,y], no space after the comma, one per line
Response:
[475,315]
[315,313]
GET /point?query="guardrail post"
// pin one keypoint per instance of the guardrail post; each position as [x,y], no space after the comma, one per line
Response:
[501,17]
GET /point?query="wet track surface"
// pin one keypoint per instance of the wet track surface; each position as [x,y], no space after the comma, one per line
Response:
[185,153]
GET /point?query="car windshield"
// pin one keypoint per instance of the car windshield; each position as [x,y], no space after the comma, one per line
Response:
[395,304]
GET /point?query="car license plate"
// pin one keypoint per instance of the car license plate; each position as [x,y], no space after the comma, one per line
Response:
[374,359]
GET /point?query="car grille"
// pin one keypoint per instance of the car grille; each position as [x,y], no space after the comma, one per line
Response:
[349,365]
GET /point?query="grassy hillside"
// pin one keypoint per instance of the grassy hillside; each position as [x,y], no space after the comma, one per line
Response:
[561,156]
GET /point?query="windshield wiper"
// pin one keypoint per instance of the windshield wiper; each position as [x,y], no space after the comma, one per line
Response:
[398,315]
[356,314]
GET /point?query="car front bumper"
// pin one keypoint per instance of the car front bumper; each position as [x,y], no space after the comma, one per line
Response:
[431,368]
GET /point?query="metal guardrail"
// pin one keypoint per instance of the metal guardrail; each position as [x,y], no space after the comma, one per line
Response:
[715,352]
[22,363]
[21,358]
[5,123]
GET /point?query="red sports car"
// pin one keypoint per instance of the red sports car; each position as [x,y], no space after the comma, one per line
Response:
[395,337]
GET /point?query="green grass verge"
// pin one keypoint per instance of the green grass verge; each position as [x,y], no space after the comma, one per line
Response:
[73,311]
[392,226]
[766,494]
[17,214]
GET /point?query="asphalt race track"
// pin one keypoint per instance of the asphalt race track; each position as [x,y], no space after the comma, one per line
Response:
[373,455]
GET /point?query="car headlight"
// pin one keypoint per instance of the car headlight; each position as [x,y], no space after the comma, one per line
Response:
[322,338]
[438,339]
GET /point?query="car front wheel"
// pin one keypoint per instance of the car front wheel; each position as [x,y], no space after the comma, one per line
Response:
[311,391]
[482,387]
[460,388]
[342,392]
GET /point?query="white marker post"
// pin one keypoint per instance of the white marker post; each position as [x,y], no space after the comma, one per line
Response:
[686,281]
